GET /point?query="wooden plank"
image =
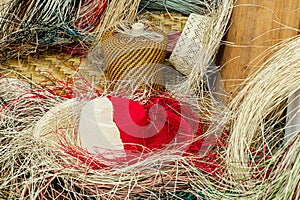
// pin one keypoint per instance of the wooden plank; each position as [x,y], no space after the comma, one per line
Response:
[255,26]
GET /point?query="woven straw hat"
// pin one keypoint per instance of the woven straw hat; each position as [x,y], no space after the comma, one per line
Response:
[60,124]
[115,127]
[132,54]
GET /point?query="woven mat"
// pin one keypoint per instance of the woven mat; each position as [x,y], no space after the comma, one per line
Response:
[62,67]
[168,22]
[51,69]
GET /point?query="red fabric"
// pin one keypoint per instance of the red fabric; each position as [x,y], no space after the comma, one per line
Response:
[131,120]
[165,123]
[154,125]
[205,154]
[161,123]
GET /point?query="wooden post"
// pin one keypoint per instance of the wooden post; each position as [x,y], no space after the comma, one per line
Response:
[255,26]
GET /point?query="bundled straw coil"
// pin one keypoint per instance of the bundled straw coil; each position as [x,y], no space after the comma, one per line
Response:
[256,130]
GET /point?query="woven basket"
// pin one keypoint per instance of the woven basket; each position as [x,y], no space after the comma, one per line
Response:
[168,22]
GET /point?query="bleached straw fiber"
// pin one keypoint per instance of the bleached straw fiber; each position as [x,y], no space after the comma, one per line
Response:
[38,139]
[117,10]
[3,7]
[207,43]
[40,161]
[27,25]
[258,122]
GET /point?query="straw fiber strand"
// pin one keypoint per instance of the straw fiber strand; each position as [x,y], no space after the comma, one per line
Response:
[255,125]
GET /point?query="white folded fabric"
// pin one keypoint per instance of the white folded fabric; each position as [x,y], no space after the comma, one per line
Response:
[97,131]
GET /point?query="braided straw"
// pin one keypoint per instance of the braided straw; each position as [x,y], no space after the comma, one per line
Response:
[133,59]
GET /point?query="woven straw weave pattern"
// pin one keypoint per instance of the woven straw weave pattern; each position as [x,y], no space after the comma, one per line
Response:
[132,59]
[168,22]
[50,69]
[189,50]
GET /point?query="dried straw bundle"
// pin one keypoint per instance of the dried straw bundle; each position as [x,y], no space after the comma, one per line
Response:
[117,10]
[28,24]
[183,6]
[45,169]
[256,115]
[34,170]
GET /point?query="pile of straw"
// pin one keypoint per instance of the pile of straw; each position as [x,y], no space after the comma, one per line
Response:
[256,115]
[31,168]
[251,166]
[48,23]
[31,26]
